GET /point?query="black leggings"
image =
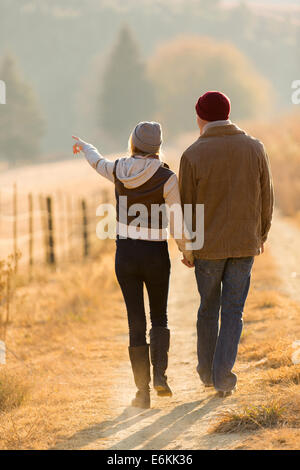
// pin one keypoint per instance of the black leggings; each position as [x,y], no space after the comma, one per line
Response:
[139,262]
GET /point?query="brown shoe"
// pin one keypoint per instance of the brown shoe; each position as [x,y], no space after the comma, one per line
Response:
[223,394]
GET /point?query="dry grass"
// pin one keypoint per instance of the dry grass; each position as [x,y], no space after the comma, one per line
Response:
[60,336]
[63,340]
[271,354]
[272,439]
[291,403]
[63,336]
[267,404]
[285,436]
[13,391]
[250,418]
[266,411]
[284,151]
[284,375]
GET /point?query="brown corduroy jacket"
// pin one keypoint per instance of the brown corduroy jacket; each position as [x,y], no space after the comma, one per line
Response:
[229,172]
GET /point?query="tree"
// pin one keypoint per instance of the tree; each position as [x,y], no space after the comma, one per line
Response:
[185,68]
[21,122]
[127,95]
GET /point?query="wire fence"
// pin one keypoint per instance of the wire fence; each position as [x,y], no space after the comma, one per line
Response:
[47,228]
[42,229]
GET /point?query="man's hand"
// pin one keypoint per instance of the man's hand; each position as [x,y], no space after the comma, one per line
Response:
[187,263]
[262,248]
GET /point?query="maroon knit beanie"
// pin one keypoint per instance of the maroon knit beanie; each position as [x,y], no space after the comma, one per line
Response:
[213,106]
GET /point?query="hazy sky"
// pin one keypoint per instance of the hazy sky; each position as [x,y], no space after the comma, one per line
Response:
[284,3]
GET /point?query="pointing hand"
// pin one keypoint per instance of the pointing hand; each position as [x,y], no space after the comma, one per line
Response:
[77,147]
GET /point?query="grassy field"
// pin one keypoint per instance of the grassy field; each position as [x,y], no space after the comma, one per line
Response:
[268,404]
[67,332]
[63,344]
[60,331]
[282,141]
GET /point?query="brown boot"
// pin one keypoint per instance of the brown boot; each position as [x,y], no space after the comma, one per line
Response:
[159,347]
[140,363]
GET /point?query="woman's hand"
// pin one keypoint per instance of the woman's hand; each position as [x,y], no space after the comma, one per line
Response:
[77,147]
[187,263]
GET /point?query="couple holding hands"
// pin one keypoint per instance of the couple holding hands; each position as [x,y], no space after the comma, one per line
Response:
[227,172]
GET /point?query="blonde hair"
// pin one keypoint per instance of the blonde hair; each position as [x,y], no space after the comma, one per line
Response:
[133,150]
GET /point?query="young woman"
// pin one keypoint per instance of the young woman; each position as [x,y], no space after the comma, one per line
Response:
[142,252]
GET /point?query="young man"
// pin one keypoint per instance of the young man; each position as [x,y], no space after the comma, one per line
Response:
[228,171]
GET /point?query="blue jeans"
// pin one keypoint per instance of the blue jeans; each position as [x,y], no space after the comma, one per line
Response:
[223,285]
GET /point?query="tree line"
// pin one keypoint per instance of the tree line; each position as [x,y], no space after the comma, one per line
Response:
[129,89]
[55,43]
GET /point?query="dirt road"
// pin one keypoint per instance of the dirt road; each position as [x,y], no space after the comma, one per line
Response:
[284,243]
[181,422]
[177,423]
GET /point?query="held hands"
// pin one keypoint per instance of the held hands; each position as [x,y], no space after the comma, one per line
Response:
[77,147]
[190,264]
[187,263]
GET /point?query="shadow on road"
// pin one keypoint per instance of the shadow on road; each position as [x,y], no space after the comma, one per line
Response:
[129,417]
[167,428]
[156,435]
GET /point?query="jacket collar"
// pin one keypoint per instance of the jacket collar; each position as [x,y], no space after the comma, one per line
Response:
[218,131]
[226,122]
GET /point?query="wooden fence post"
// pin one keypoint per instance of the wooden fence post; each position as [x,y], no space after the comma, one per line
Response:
[86,245]
[70,226]
[15,226]
[51,254]
[66,227]
[8,298]
[30,233]
[44,225]
[60,225]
